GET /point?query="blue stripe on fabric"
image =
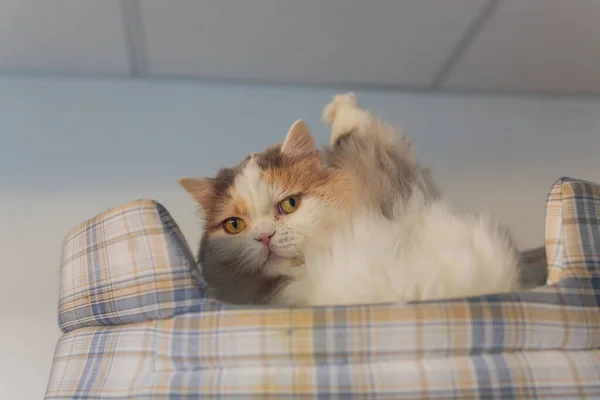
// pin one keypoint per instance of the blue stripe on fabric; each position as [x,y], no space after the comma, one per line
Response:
[369,349]
[92,364]
[588,224]
[162,309]
[498,325]
[177,382]
[573,282]
[503,376]
[552,299]
[323,379]
[94,273]
[341,345]
[483,377]
[477,324]
[320,350]
[217,346]
[101,286]
[344,379]
[107,217]
[595,281]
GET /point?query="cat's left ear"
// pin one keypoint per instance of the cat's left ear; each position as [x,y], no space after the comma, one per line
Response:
[299,141]
[201,189]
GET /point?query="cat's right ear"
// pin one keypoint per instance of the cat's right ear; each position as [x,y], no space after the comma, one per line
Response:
[201,189]
[299,141]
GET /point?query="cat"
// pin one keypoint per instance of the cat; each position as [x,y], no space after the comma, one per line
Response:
[358,222]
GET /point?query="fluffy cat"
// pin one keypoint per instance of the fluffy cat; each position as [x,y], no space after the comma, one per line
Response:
[359,222]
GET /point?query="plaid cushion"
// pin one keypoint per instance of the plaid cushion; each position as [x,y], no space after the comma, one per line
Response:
[508,346]
[126,265]
[573,230]
[536,344]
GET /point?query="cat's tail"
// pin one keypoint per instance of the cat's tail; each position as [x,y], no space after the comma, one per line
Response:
[344,116]
[347,100]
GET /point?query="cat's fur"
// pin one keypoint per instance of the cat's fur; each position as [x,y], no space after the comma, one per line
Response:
[371,226]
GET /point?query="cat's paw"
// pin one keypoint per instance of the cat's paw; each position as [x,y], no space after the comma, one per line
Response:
[344,116]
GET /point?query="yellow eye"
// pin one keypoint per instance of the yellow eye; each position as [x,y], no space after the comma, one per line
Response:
[288,205]
[234,225]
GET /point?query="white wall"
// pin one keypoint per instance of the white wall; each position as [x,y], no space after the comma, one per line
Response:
[71,149]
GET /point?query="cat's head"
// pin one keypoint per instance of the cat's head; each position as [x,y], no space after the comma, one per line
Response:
[262,215]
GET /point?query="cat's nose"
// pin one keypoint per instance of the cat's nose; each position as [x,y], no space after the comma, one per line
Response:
[266,239]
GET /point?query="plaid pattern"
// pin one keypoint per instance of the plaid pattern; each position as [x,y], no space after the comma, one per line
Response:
[536,344]
[573,230]
[126,265]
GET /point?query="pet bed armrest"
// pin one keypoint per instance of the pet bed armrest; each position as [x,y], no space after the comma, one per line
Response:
[573,230]
[127,265]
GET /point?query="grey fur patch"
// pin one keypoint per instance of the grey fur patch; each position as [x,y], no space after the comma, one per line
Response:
[224,181]
[226,177]
[221,186]
[383,173]
[270,158]
[233,275]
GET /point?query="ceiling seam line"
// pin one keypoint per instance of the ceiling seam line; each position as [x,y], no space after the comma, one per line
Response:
[7,73]
[456,54]
[135,38]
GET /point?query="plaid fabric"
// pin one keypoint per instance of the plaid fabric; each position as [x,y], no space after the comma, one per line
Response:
[537,344]
[126,265]
[573,230]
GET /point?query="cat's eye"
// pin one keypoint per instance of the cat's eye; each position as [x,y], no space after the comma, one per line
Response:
[288,205]
[234,225]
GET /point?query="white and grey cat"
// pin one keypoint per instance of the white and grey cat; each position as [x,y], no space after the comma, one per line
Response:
[359,222]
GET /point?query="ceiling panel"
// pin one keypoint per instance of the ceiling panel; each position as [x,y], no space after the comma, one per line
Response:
[535,45]
[397,42]
[62,35]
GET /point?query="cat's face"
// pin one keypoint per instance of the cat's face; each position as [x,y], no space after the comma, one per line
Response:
[264,214]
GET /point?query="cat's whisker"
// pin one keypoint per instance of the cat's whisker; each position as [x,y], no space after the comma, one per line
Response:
[220,270]
[267,298]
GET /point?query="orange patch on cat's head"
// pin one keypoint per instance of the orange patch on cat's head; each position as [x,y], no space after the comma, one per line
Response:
[240,207]
[296,168]
[232,205]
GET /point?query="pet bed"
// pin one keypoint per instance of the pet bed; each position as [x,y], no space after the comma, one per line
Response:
[137,324]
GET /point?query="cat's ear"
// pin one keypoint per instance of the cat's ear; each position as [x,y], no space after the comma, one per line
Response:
[299,141]
[201,189]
